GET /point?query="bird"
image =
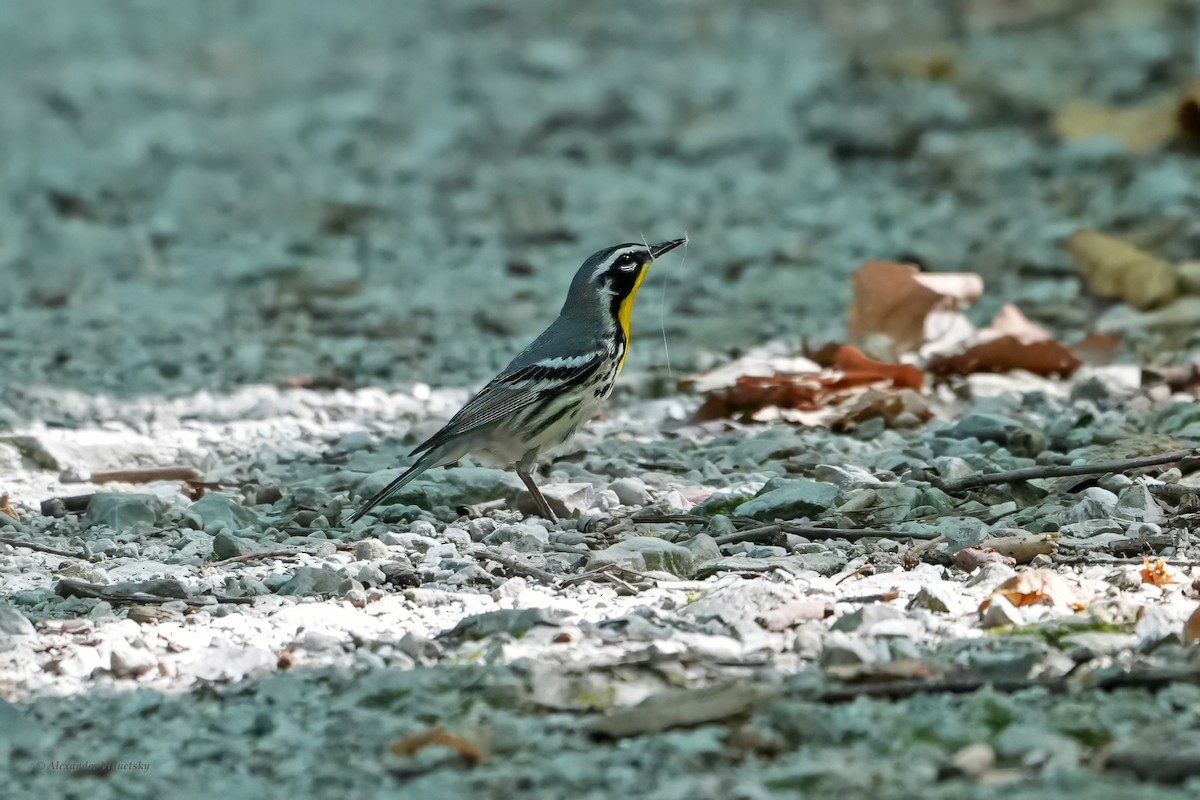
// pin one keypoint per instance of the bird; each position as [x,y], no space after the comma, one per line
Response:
[554,385]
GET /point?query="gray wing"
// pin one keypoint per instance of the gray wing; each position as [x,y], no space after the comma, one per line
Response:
[515,389]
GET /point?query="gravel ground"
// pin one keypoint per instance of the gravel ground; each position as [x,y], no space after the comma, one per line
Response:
[275,244]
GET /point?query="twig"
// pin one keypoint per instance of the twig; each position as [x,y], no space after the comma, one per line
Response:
[148,475]
[254,556]
[515,564]
[41,548]
[584,577]
[1031,473]
[863,599]
[67,587]
[897,690]
[1085,561]
[769,532]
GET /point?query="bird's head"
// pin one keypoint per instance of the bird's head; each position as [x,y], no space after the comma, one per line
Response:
[612,277]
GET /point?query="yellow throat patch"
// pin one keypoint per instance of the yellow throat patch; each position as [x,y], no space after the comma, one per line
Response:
[623,314]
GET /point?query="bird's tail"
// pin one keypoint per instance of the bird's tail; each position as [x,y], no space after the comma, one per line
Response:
[423,463]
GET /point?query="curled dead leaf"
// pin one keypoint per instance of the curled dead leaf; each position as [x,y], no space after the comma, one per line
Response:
[1156,573]
[1037,586]
[858,370]
[755,396]
[6,509]
[1007,353]
[1114,268]
[410,745]
[893,301]
[902,409]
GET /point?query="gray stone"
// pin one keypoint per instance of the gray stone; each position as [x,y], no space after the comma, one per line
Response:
[456,536]
[1000,613]
[131,662]
[631,491]
[864,619]
[703,548]
[1094,503]
[790,499]
[566,500]
[14,623]
[424,528]
[370,550]
[1088,528]
[643,553]
[123,511]
[450,488]
[842,650]
[227,662]
[216,510]
[723,502]
[512,621]
[720,525]
[226,545]
[315,581]
[846,476]
[478,529]
[1137,503]
[941,597]
[893,503]
[952,468]
[1017,438]
[524,537]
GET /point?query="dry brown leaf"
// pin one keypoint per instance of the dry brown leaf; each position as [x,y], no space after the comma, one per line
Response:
[1037,586]
[1007,353]
[852,373]
[1114,268]
[892,302]
[410,745]
[1156,573]
[1191,628]
[1138,128]
[858,370]
[6,509]
[902,409]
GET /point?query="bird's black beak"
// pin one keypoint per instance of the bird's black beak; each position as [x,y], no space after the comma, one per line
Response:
[662,248]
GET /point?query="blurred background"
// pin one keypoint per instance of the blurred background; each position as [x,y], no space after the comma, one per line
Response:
[201,195]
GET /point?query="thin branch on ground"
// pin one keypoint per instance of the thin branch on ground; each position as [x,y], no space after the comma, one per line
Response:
[54,551]
[1062,471]
[898,690]
[769,532]
[254,556]
[515,564]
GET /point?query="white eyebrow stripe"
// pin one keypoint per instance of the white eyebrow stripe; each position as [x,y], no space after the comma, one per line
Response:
[614,255]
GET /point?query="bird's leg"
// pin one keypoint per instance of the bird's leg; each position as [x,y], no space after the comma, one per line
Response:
[539,501]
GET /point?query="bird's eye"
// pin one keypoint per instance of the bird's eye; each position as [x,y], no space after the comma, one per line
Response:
[626,262]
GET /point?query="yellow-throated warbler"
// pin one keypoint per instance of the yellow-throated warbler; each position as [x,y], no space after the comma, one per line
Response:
[555,385]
